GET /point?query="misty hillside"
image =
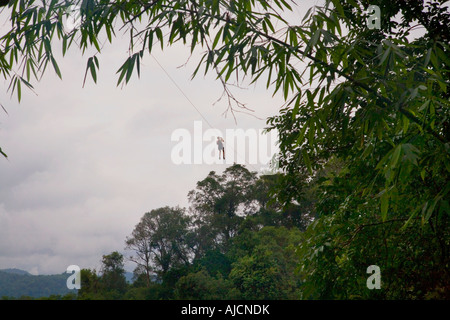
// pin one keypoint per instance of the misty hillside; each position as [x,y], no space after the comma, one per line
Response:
[16,283]
[15,271]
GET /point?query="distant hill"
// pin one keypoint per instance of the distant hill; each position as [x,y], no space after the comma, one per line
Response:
[15,271]
[16,283]
[129,276]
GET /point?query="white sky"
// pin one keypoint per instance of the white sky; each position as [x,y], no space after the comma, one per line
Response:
[85,164]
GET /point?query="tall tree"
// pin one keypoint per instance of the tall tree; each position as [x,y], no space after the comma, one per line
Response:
[140,244]
[91,287]
[219,204]
[161,241]
[113,279]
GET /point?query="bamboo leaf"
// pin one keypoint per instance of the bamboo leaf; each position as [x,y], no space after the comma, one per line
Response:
[395,156]
[384,204]
[3,154]
[307,161]
[55,66]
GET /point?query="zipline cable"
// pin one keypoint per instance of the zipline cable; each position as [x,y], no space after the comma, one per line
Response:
[193,105]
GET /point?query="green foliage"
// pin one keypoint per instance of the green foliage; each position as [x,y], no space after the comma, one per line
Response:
[376,151]
[113,279]
[201,286]
[110,284]
[214,262]
[256,260]
[265,263]
[15,285]
[219,203]
[91,286]
[152,292]
[337,250]
[161,241]
[364,138]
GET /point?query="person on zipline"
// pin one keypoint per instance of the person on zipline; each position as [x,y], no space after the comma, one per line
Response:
[221,147]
